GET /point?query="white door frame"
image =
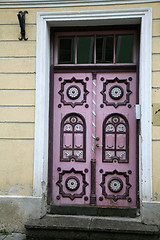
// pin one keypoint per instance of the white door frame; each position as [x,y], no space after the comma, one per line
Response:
[45,20]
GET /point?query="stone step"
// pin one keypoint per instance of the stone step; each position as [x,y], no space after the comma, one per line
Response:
[69,227]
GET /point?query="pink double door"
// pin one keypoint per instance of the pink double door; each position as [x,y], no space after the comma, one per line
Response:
[94,139]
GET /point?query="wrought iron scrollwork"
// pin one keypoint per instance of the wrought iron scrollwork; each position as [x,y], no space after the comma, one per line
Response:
[21,18]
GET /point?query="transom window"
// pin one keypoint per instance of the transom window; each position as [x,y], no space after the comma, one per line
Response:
[95,48]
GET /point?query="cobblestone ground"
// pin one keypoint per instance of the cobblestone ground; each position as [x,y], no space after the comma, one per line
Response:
[13,236]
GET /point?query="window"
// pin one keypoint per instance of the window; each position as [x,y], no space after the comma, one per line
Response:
[85,49]
[66,50]
[95,48]
[124,49]
[104,49]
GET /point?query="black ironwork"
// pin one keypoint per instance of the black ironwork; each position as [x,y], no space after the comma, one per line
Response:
[21,18]
[73,125]
[115,125]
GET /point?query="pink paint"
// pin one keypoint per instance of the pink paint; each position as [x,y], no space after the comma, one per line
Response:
[116,173]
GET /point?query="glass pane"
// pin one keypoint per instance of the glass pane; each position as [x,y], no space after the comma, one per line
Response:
[85,49]
[104,49]
[124,49]
[66,50]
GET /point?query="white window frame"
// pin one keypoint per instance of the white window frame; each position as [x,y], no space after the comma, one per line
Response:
[45,20]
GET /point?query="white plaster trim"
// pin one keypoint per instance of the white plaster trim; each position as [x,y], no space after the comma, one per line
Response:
[20,197]
[82,18]
[145,98]
[64,3]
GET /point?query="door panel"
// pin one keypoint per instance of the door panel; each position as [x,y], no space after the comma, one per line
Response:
[94,139]
[116,158]
[71,138]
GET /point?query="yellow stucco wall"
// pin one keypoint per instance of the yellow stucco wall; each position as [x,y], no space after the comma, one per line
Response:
[17,97]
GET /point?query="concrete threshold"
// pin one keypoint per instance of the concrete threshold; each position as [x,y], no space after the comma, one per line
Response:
[70,227]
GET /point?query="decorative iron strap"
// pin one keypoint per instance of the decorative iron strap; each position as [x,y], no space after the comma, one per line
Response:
[93,114]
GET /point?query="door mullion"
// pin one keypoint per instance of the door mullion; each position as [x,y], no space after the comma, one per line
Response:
[93,158]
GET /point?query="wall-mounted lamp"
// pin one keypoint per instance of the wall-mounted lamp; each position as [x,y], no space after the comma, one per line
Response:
[21,18]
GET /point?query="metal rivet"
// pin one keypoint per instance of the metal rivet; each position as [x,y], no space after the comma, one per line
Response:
[58,169]
[129,172]
[102,78]
[86,106]
[129,105]
[58,197]
[101,170]
[60,79]
[102,105]
[100,198]
[59,105]
[87,78]
[86,198]
[86,170]
[130,78]
[129,199]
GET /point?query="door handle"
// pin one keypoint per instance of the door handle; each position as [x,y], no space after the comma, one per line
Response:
[97,145]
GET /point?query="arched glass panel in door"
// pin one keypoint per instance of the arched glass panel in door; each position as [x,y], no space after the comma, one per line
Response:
[73,140]
[115,139]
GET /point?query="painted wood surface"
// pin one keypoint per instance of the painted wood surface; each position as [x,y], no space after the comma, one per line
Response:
[107,167]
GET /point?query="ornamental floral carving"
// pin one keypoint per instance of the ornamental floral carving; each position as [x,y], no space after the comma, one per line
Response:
[118,94]
[73,92]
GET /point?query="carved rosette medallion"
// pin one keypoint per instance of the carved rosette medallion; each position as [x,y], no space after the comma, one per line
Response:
[121,91]
[113,187]
[73,92]
[116,92]
[115,184]
[72,184]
